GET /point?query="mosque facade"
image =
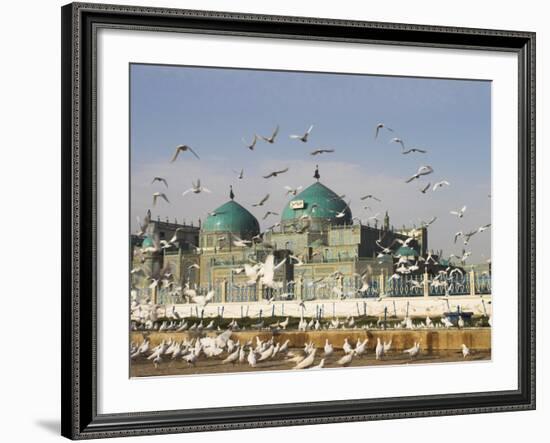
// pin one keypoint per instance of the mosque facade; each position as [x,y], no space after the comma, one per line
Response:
[315,238]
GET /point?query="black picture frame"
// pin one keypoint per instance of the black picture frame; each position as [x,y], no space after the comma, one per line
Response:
[79,178]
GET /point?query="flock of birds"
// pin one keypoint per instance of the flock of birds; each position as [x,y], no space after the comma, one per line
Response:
[263,272]
[404,266]
[223,350]
[158,318]
[197,188]
[422,172]
[260,272]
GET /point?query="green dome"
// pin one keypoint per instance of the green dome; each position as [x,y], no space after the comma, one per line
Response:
[318,202]
[405,251]
[232,217]
[147,242]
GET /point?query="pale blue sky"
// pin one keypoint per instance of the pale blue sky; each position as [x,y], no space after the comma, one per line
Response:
[211,109]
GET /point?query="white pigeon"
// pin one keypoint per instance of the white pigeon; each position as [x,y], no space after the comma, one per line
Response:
[271,138]
[379,349]
[233,357]
[196,188]
[484,227]
[191,358]
[158,195]
[251,358]
[177,351]
[361,348]
[161,180]
[251,144]
[268,271]
[242,355]
[459,213]
[223,339]
[440,184]
[210,325]
[238,242]
[346,359]
[182,148]
[284,346]
[262,201]
[347,347]
[414,351]
[380,126]
[266,354]
[398,140]
[203,300]
[320,365]
[303,138]
[143,348]
[329,349]
[306,362]
[212,351]
[465,350]
[422,170]
[157,361]
[292,191]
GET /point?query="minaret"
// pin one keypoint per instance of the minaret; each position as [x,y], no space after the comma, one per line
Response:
[386,222]
[231,194]
[316,175]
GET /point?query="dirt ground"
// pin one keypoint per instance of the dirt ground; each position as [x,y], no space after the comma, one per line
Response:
[141,367]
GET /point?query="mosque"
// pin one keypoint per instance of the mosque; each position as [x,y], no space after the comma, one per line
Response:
[316,227]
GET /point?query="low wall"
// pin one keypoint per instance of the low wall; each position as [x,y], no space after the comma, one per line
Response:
[431,339]
[399,306]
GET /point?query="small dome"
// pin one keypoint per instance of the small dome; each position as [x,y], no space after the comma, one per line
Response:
[317,201]
[147,242]
[385,259]
[232,217]
[405,251]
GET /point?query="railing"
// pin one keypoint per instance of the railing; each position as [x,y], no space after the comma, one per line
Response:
[244,293]
[483,283]
[469,283]
[283,293]
[170,296]
[334,289]
[338,259]
[405,286]
[460,285]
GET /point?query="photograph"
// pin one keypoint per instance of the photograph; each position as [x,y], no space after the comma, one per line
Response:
[297,220]
[286,217]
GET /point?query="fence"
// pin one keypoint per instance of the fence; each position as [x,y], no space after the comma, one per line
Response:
[405,286]
[470,283]
[170,296]
[441,285]
[483,283]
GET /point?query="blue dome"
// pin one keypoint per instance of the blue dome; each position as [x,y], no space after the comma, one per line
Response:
[317,201]
[405,251]
[232,217]
[147,242]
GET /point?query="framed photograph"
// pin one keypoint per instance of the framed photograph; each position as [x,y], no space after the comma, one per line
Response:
[289,220]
